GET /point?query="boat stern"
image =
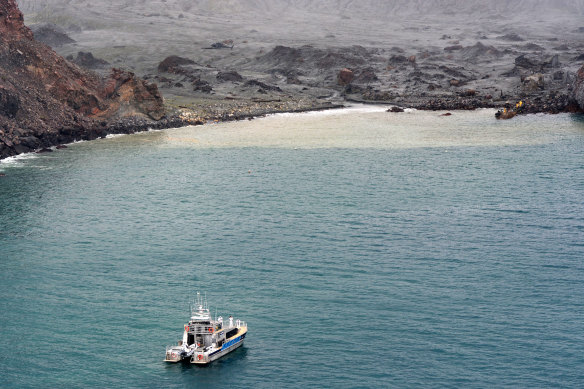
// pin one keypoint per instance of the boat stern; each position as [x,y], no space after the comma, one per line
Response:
[200,358]
[173,355]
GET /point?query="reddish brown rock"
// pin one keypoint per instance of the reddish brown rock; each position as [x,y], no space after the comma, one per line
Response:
[12,22]
[46,100]
[345,76]
[130,96]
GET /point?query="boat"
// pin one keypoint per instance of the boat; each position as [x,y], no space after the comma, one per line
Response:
[206,339]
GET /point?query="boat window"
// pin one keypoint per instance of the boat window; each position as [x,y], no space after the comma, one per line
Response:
[229,334]
[190,339]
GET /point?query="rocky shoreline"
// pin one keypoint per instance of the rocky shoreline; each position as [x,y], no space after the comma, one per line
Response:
[48,142]
[47,100]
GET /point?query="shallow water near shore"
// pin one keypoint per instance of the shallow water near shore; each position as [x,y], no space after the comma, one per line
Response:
[364,249]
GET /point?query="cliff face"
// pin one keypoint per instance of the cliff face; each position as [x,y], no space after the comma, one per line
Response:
[579,89]
[12,22]
[45,100]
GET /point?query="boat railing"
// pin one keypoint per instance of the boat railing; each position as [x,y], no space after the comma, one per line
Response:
[201,330]
[240,323]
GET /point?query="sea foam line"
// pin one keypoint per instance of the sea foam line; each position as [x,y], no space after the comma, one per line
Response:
[16,159]
[357,108]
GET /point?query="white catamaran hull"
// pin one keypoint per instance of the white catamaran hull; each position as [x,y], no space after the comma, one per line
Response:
[208,357]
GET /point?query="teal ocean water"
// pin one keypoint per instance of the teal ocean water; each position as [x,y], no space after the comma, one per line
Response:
[364,249]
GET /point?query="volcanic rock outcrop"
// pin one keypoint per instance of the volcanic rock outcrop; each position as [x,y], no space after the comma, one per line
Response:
[46,100]
[173,64]
[579,88]
[88,61]
[51,35]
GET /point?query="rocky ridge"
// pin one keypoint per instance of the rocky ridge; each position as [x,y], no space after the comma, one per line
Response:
[47,100]
[579,89]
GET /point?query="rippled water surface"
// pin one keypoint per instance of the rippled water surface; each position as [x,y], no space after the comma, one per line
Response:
[364,249]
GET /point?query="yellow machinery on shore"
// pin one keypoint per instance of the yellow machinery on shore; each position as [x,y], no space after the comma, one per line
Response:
[507,112]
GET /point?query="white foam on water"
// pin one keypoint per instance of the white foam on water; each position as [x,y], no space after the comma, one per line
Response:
[148,130]
[351,109]
[17,159]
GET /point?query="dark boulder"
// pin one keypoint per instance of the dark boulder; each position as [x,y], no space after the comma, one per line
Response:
[535,64]
[367,76]
[32,142]
[293,79]
[51,34]
[231,76]
[284,55]
[9,103]
[227,44]
[534,47]
[513,37]
[352,88]
[453,48]
[20,148]
[201,86]
[173,64]
[479,50]
[398,60]
[459,73]
[88,61]
[528,62]
[262,85]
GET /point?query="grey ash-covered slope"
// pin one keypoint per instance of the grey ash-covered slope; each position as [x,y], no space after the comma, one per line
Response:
[421,53]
